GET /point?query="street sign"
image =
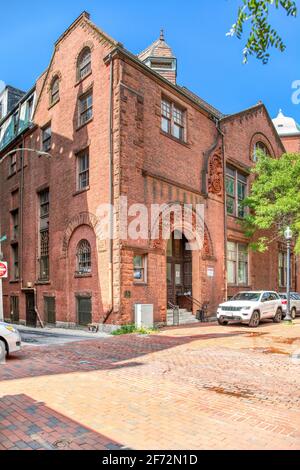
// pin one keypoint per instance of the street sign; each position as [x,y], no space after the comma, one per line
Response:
[3,270]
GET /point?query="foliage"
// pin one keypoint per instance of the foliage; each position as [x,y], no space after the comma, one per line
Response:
[274,200]
[262,36]
[131,328]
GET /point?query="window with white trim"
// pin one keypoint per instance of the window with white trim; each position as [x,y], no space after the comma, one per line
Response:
[173,119]
[84,257]
[83,170]
[237,264]
[140,268]
[236,191]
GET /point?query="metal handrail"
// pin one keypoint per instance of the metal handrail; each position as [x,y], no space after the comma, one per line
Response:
[175,308]
[202,306]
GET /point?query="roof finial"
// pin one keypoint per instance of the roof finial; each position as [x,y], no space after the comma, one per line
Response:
[162,35]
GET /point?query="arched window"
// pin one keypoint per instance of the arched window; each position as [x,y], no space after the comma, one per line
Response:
[54,91]
[84,65]
[84,264]
[259,146]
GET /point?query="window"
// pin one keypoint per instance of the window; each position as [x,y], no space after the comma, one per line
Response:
[236,191]
[44,235]
[173,119]
[46,139]
[1,110]
[54,97]
[49,310]
[282,269]
[14,309]
[237,263]
[13,164]
[84,65]
[85,108]
[262,147]
[15,224]
[16,123]
[84,310]
[83,172]
[84,263]
[15,261]
[139,268]
[29,109]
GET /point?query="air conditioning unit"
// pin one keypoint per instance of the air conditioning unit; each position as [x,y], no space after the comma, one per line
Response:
[143,315]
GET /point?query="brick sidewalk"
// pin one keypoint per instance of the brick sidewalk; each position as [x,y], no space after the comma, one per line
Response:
[197,387]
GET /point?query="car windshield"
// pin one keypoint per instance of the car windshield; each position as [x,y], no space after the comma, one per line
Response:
[250,296]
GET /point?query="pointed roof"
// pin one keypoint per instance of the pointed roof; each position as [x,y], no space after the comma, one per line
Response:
[158,48]
[286,125]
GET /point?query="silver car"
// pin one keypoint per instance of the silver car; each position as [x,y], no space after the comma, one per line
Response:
[294,302]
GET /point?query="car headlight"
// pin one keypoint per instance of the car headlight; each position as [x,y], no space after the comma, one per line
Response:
[11,328]
[246,308]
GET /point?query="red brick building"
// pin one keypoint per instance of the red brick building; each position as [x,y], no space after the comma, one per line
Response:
[118,125]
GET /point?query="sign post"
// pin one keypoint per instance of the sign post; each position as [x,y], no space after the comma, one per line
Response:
[3,274]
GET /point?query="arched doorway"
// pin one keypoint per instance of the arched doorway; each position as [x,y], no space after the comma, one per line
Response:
[179,269]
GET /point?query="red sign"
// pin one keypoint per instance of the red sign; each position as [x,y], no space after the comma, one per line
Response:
[3,270]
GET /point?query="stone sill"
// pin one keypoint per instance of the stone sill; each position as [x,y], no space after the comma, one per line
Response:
[85,124]
[80,191]
[182,142]
[82,79]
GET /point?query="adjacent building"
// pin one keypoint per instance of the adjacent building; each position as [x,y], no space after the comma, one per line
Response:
[112,124]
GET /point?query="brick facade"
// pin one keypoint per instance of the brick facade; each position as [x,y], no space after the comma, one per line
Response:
[148,166]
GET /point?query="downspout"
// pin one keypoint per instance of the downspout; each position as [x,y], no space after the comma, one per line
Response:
[225,211]
[22,236]
[111,194]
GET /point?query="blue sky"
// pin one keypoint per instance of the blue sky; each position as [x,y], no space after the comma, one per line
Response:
[209,63]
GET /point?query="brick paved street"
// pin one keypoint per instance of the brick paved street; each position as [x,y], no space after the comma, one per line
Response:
[195,387]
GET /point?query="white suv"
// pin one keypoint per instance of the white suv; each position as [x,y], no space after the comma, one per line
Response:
[251,307]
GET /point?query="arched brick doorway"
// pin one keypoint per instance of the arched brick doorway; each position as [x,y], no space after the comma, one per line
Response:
[179,269]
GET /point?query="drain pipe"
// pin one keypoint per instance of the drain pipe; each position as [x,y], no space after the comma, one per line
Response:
[111,194]
[22,236]
[225,211]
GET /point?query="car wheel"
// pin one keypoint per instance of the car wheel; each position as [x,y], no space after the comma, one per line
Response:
[255,319]
[293,313]
[278,316]
[3,351]
[222,322]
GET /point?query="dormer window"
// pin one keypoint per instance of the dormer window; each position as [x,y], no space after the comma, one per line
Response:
[84,65]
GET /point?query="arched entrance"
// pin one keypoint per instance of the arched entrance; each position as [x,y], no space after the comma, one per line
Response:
[179,269]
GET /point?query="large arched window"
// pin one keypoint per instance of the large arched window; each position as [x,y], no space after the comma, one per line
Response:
[260,146]
[84,64]
[54,91]
[84,262]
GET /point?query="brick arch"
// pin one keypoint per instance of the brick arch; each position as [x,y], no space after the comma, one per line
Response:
[84,218]
[86,45]
[56,74]
[203,239]
[260,137]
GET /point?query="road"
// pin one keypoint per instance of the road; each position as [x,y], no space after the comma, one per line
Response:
[55,336]
[194,387]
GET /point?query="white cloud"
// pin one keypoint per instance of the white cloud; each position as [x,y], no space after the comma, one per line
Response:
[2,85]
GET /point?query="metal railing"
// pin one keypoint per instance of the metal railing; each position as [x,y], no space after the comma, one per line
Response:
[201,314]
[175,309]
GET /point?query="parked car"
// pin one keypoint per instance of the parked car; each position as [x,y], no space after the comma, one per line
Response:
[10,339]
[294,303]
[251,307]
